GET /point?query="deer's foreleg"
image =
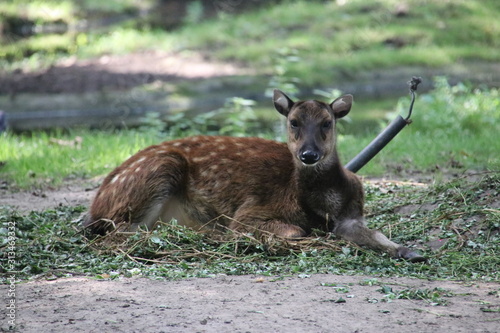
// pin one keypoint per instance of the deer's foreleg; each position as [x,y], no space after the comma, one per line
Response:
[356,231]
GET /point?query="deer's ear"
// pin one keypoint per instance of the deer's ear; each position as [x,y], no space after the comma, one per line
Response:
[341,106]
[282,102]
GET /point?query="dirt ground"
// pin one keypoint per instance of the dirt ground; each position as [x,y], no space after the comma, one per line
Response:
[114,72]
[247,304]
[236,303]
[71,194]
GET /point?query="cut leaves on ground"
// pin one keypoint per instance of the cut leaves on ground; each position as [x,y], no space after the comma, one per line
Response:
[463,214]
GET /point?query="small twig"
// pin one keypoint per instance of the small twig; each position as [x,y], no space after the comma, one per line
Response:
[155,261]
[491,210]
[127,255]
[431,312]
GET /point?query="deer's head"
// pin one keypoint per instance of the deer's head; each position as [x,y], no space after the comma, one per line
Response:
[311,127]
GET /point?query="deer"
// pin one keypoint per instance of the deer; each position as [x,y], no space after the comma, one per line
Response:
[249,185]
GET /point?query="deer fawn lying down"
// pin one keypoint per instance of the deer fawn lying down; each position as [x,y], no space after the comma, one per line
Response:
[247,184]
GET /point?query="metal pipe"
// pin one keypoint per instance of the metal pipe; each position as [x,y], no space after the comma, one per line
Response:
[387,134]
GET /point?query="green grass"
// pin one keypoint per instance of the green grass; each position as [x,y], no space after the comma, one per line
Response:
[36,160]
[67,10]
[330,39]
[337,39]
[457,214]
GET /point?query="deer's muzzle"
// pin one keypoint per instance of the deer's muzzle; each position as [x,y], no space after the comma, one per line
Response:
[309,157]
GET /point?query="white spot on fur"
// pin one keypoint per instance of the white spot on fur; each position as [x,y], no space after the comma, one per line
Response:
[200,159]
[115,178]
[137,169]
[131,166]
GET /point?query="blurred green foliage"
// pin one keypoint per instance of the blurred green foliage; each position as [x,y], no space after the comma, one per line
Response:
[457,110]
[333,40]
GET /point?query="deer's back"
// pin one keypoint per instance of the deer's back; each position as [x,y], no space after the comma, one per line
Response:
[208,176]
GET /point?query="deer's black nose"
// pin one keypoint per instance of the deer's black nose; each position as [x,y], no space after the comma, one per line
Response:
[309,157]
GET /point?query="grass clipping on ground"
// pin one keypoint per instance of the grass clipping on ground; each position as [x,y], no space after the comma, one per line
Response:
[170,243]
[456,224]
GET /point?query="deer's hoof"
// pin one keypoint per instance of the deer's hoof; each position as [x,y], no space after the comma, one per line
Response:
[415,257]
[411,256]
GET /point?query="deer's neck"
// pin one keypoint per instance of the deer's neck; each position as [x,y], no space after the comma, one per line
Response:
[323,187]
[321,192]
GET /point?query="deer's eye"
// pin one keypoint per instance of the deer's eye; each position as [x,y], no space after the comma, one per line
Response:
[294,123]
[327,124]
